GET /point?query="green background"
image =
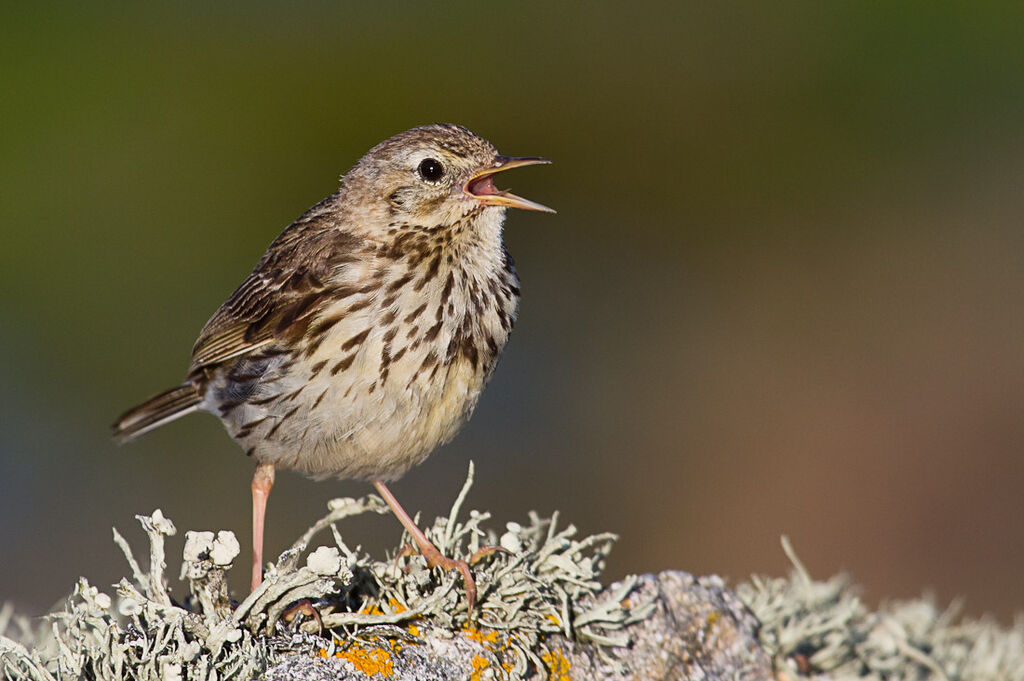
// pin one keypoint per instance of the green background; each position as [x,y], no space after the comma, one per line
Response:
[782,293]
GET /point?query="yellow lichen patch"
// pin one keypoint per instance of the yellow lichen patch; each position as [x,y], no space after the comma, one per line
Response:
[710,622]
[487,638]
[369,661]
[554,620]
[480,663]
[494,642]
[374,609]
[414,630]
[372,659]
[557,664]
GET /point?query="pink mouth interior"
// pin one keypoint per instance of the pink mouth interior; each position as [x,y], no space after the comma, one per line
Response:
[482,186]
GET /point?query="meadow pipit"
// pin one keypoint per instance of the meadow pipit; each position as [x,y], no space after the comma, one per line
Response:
[363,337]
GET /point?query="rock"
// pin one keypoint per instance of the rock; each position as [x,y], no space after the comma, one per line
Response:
[699,630]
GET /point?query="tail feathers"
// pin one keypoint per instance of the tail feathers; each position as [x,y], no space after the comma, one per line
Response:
[156,411]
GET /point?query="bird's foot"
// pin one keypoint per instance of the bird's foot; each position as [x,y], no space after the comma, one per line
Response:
[485,551]
[406,551]
[430,552]
[436,559]
[305,608]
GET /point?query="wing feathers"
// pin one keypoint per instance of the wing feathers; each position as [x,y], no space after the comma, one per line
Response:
[275,303]
[281,296]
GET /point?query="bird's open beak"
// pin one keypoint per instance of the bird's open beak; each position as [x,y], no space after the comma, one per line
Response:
[481,186]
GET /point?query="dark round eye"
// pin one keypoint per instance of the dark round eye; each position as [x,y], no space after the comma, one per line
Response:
[431,170]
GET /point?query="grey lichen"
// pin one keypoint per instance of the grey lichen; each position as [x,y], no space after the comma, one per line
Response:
[532,589]
[817,630]
[542,613]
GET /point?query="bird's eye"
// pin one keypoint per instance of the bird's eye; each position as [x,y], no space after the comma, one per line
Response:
[431,170]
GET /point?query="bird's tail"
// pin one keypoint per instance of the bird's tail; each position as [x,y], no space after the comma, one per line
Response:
[156,411]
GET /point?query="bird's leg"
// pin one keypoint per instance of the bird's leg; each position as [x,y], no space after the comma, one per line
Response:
[304,607]
[434,557]
[262,481]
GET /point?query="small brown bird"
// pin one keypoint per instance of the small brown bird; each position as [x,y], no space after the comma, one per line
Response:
[363,337]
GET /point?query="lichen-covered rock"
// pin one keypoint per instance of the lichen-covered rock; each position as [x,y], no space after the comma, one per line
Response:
[337,605]
[697,630]
[817,629]
[542,614]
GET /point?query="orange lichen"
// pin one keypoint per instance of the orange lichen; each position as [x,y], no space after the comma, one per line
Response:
[374,609]
[480,663]
[375,658]
[494,642]
[368,660]
[484,637]
[557,664]
[710,622]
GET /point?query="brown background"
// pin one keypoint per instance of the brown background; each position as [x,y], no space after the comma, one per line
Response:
[781,294]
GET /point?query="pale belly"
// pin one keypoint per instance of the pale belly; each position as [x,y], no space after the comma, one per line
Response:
[392,373]
[327,417]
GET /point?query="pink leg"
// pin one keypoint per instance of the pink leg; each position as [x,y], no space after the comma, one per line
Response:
[262,481]
[427,549]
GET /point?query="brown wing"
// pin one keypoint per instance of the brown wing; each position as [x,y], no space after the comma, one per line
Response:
[282,295]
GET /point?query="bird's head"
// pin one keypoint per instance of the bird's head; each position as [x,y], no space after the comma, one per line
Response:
[435,176]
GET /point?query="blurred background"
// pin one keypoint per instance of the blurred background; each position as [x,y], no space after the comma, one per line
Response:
[780,296]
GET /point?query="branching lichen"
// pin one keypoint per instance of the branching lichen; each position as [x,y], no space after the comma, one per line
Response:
[822,629]
[382,618]
[527,591]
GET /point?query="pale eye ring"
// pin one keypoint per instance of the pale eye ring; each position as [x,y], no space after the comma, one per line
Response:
[431,170]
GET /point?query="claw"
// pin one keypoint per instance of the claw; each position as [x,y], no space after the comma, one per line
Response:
[303,607]
[436,559]
[485,551]
[404,552]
